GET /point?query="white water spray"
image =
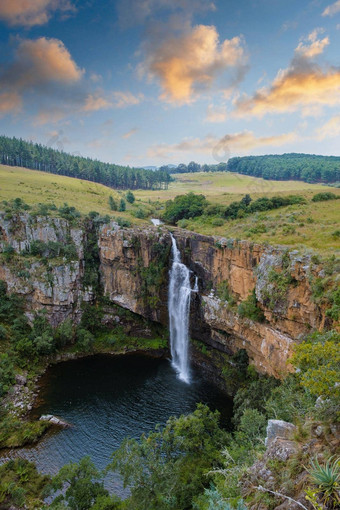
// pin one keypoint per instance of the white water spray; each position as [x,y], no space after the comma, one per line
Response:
[179,309]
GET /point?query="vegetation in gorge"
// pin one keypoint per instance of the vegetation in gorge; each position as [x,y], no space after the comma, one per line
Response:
[193,463]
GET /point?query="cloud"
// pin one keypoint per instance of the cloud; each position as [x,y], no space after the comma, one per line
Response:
[332,9]
[32,12]
[330,129]
[130,133]
[292,91]
[43,67]
[216,114]
[192,61]
[314,46]
[80,103]
[123,99]
[39,66]
[94,103]
[211,145]
[302,86]
[39,62]
[50,115]
[9,102]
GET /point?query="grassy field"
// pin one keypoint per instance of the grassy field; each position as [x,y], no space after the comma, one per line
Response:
[40,187]
[224,187]
[314,225]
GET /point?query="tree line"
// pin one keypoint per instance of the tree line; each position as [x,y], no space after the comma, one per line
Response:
[297,167]
[18,152]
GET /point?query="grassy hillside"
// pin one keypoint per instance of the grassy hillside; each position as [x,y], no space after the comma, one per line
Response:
[221,187]
[39,187]
[315,225]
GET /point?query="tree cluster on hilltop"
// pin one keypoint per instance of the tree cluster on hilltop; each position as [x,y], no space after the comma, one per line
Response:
[17,152]
[300,167]
[297,167]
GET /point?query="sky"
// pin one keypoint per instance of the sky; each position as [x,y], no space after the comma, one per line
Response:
[153,82]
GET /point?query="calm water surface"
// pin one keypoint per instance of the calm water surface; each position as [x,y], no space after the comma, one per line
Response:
[107,399]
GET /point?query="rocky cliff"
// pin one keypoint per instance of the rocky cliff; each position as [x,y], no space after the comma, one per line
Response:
[134,265]
[228,273]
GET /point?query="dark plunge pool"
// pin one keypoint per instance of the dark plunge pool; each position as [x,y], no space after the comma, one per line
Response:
[109,398]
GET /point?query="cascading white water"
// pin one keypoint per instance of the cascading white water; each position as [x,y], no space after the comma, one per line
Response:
[179,309]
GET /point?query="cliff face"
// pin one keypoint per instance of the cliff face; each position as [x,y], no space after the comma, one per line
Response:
[280,280]
[50,283]
[134,269]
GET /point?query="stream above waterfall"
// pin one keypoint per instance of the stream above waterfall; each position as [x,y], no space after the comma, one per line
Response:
[107,398]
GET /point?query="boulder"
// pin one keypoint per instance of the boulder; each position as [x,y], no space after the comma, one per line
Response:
[278,428]
[54,420]
[20,380]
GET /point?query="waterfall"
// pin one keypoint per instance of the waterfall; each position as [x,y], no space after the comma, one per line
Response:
[179,309]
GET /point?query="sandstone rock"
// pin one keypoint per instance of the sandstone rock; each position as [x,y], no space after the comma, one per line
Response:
[281,449]
[278,428]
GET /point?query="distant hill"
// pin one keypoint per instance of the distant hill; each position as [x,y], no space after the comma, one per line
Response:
[17,152]
[295,167]
[300,167]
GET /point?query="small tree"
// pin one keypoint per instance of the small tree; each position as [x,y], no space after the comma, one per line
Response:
[246,200]
[112,203]
[130,197]
[81,485]
[122,205]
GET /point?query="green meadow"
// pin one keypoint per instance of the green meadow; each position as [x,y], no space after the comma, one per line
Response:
[314,225]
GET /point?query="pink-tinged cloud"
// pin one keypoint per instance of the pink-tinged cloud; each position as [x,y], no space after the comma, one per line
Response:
[313,46]
[302,86]
[44,60]
[192,61]
[209,145]
[292,91]
[32,12]
[332,9]
[38,65]
[9,102]
[94,103]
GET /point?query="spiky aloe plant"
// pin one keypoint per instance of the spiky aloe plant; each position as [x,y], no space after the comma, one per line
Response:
[327,479]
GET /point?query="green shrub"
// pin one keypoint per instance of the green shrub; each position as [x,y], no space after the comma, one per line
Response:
[217,222]
[122,205]
[182,223]
[130,197]
[85,340]
[69,213]
[326,195]
[250,309]
[112,203]
[7,377]
[224,292]
[123,222]
[326,478]
[184,207]
[140,213]
[8,252]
